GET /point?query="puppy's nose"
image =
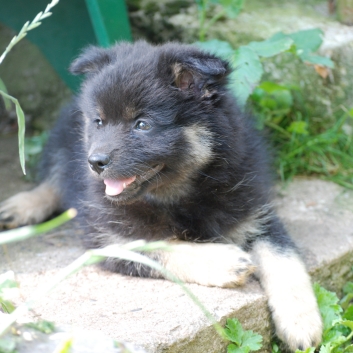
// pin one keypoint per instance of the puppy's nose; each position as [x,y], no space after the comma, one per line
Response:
[98,162]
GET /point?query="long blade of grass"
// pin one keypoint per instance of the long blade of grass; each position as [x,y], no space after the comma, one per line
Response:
[6,100]
[94,256]
[21,129]
[23,233]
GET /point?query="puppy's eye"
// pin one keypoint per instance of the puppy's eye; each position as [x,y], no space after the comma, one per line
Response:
[98,122]
[142,125]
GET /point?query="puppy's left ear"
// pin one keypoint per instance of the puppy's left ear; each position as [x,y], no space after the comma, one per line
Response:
[200,75]
[91,60]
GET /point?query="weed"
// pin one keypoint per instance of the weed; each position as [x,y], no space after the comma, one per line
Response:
[305,145]
[242,341]
[28,26]
[337,318]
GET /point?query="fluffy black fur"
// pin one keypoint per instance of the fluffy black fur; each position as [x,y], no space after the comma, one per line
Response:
[130,83]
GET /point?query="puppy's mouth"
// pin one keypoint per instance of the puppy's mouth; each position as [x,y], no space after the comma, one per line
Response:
[115,187]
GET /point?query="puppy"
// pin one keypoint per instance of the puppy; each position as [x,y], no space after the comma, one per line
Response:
[155,148]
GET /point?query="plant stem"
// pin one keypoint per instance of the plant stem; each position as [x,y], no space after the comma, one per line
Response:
[214,19]
[202,20]
[22,233]
[27,27]
[123,252]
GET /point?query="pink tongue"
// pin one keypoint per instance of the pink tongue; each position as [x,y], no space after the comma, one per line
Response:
[116,187]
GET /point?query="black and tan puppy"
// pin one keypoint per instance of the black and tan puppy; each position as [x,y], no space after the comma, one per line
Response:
[156,148]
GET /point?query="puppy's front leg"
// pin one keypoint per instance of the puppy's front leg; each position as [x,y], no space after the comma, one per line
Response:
[208,264]
[290,295]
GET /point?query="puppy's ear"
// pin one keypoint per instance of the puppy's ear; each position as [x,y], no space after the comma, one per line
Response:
[91,60]
[201,75]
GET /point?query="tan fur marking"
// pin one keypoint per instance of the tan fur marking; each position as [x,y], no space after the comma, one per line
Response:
[29,207]
[201,141]
[251,227]
[290,296]
[213,265]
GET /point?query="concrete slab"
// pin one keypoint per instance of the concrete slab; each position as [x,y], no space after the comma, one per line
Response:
[156,314]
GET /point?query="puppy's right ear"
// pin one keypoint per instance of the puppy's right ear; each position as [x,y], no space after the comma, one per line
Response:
[92,60]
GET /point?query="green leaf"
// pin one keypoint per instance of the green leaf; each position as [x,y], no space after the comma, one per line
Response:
[346,300]
[328,305]
[251,340]
[65,347]
[348,287]
[347,323]
[349,349]
[232,7]
[325,348]
[7,101]
[304,44]
[34,144]
[234,331]
[271,87]
[21,128]
[275,348]
[21,134]
[317,60]
[334,337]
[232,348]
[348,314]
[308,40]
[6,306]
[270,47]
[298,127]
[217,47]
[42,326]
[7,283]
[246,75]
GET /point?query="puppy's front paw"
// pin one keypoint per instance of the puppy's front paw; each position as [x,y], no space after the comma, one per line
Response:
[213,265]
[28,207]
[299,325]
[13,212]
[290,296]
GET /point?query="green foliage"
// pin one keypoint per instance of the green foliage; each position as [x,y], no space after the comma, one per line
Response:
[321,148]
[28,26]
[247,59]
[33,149]
[65,347]
[242,341]
[7,281]
[338,328]
[42,326]
[304,147]
[22,233]
[219,9]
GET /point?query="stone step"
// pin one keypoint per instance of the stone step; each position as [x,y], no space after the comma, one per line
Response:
[155,314]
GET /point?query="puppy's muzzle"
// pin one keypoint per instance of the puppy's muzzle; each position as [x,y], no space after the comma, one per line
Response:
[98,162]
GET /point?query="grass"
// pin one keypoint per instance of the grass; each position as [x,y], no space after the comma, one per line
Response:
[305,145]
[327,155]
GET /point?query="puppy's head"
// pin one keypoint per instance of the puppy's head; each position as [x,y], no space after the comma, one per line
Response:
[149,117]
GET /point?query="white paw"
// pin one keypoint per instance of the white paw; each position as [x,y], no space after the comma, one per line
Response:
[214,265]
[300,324]
[290,296]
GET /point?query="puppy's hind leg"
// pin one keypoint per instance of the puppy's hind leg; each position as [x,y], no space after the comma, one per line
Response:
[287,284]
[29,207]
